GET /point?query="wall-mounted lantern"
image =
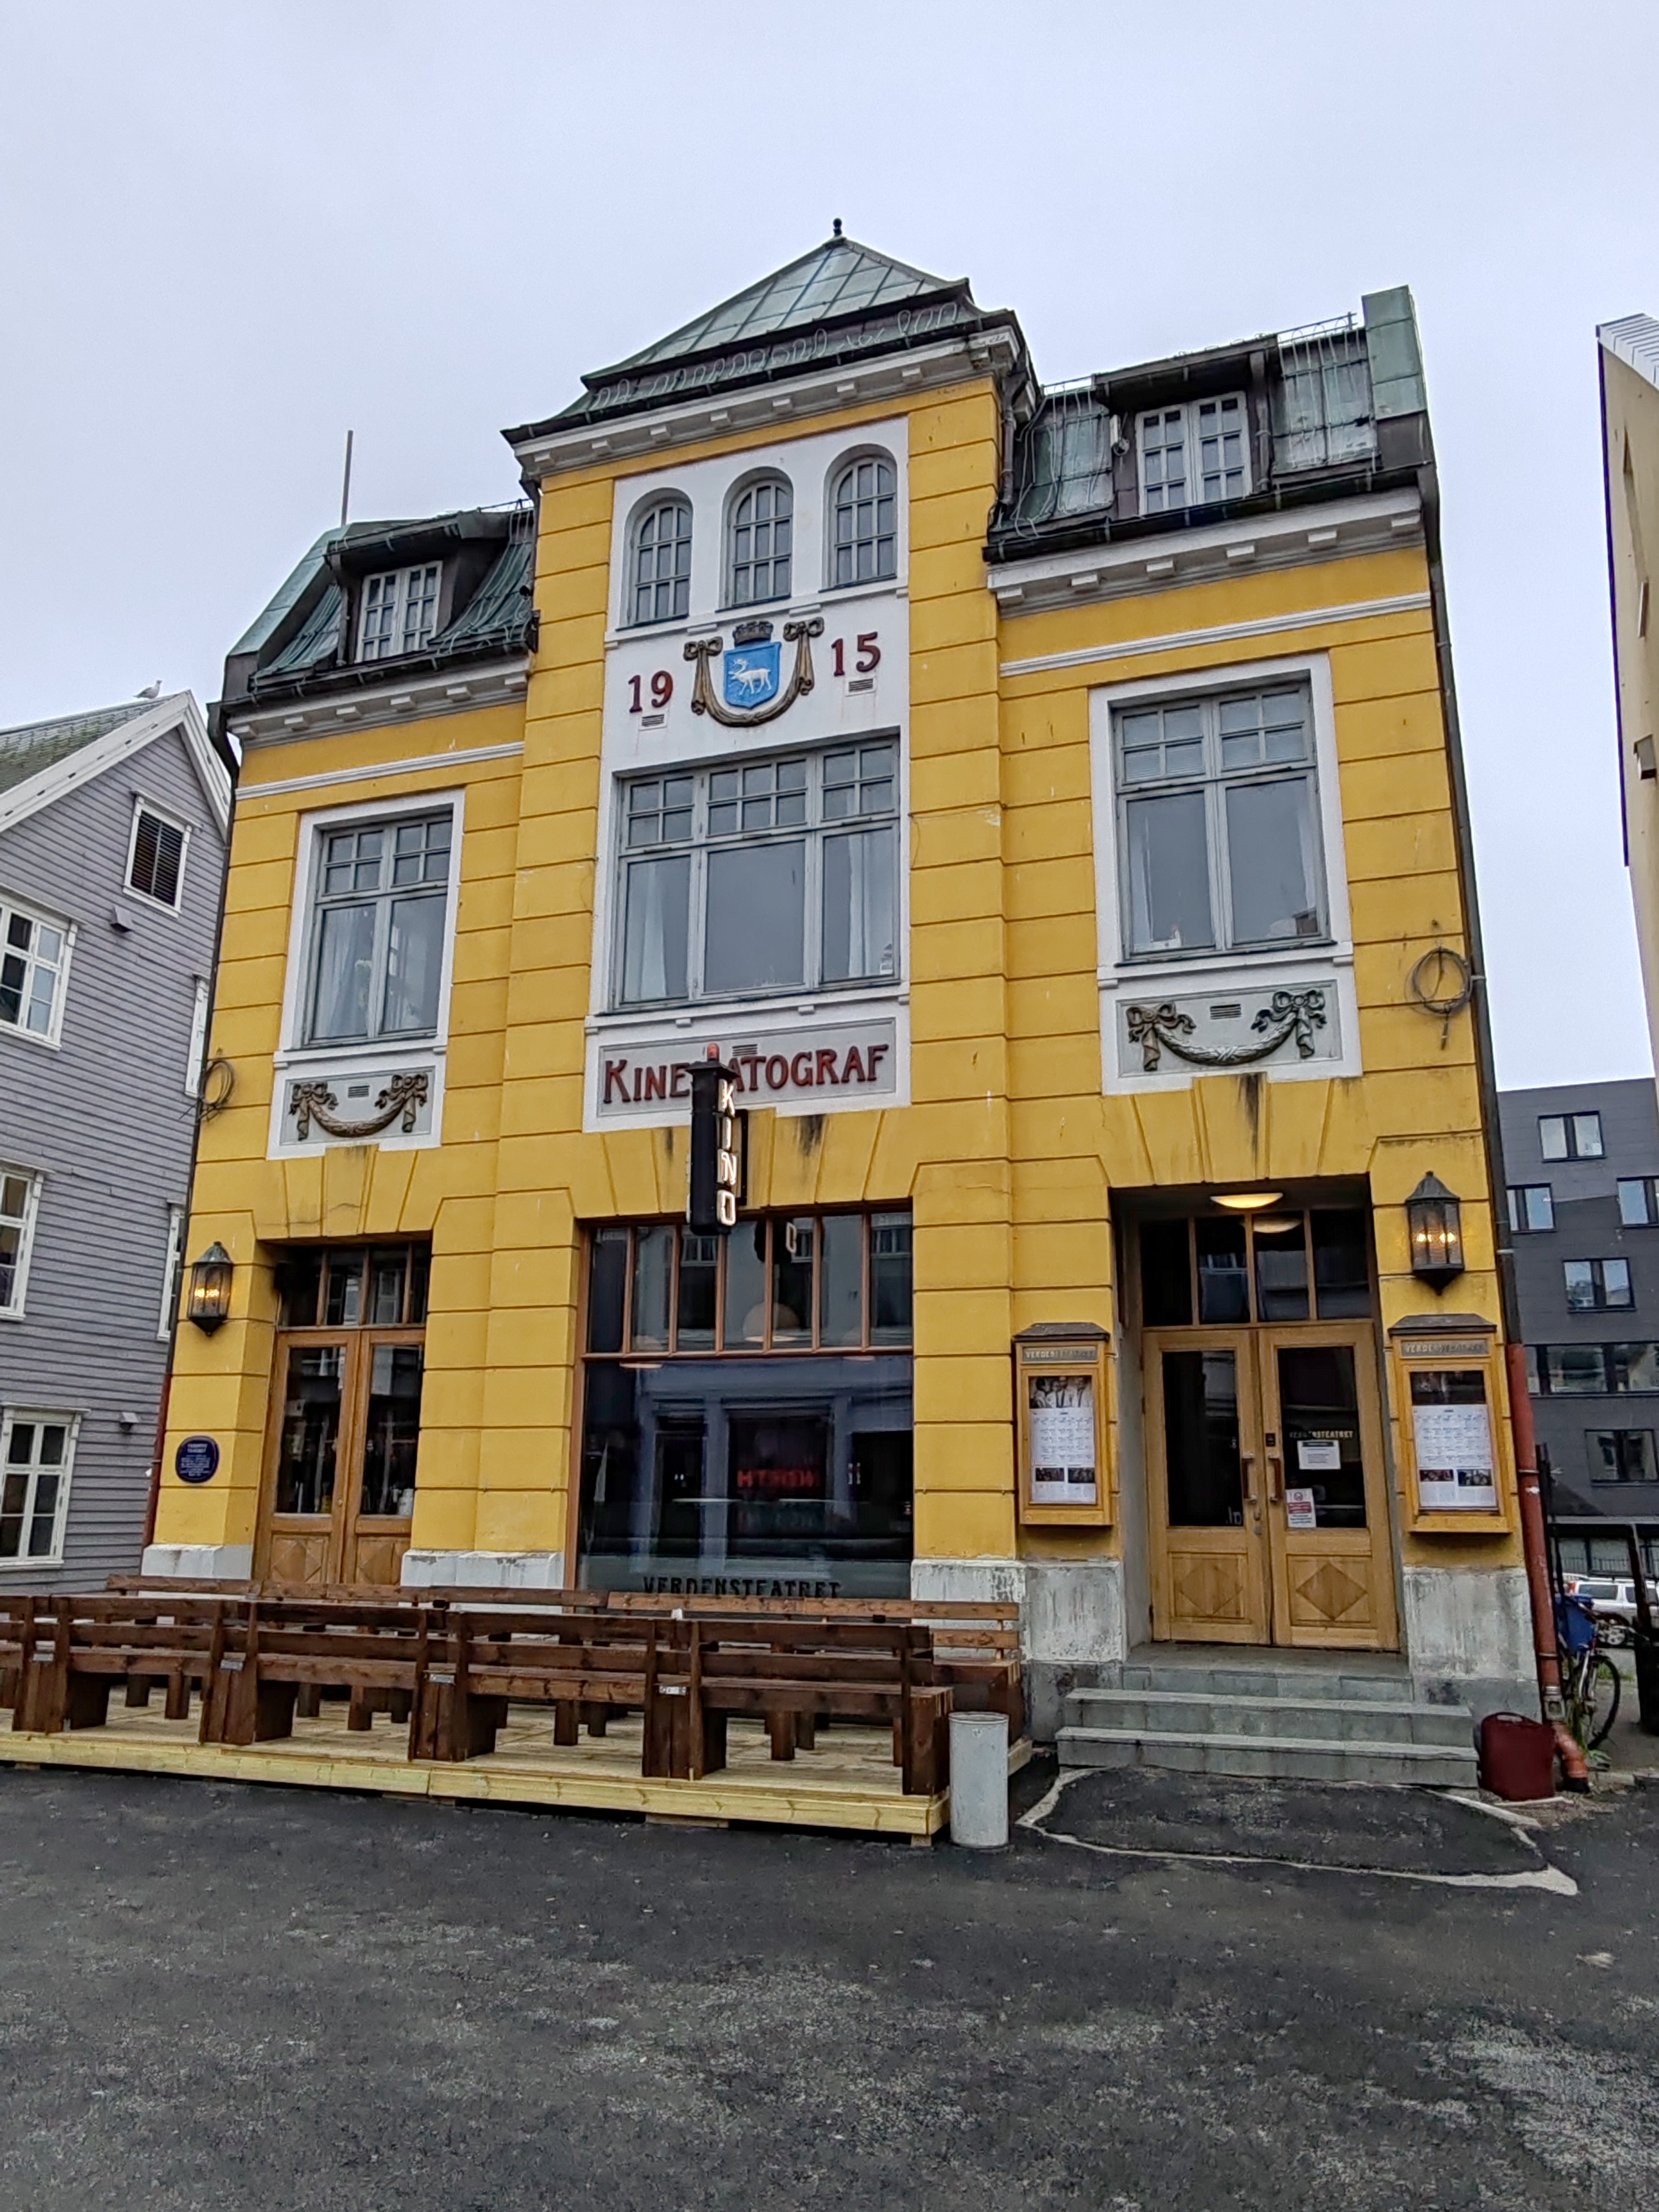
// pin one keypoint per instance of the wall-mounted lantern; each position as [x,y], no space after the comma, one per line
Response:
[208,1304]
[1435,1220]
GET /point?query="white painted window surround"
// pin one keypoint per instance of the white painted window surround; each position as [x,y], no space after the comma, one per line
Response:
[298,1054]
[399,611]
[171,1272]
[35,965]
[20,1199]
[156,851]
[37,1458]
[1322,958]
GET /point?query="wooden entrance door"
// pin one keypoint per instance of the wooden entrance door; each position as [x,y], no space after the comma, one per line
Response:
[339,1493]
[1269,1502]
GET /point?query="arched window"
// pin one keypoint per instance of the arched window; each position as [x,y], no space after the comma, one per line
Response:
[662,563]
[760,531]
[865,511]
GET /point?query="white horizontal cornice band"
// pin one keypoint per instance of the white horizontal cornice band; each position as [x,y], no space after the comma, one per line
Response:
[1291,537]
[711,414]
[1179,641]
[424,764]
[460,690]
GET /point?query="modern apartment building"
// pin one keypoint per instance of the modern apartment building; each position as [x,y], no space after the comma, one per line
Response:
[1582,1161]
[1045,805]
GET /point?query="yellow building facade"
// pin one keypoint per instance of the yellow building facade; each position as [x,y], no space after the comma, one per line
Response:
[1046,806]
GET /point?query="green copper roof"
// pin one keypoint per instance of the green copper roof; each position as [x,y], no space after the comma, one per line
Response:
[25,751]
[840,278]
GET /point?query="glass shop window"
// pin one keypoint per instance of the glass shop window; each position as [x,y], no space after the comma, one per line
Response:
[786,1283]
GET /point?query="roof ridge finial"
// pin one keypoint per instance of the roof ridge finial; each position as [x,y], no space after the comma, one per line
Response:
[835,228]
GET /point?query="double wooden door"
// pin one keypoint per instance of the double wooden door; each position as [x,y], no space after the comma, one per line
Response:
[1268,1490]
[339,1493]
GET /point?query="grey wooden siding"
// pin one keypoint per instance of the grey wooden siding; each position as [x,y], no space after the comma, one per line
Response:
[106,1120]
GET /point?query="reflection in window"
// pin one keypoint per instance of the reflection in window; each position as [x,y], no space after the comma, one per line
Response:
[787,877]
[1620,1455]
[309,1444]
[1230,857]
[378,930]
[392,1436]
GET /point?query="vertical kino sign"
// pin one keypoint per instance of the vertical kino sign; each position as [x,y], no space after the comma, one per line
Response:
[855,1064]
[715,1173]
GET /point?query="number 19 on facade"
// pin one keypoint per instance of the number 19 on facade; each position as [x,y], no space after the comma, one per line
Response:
[716,1163]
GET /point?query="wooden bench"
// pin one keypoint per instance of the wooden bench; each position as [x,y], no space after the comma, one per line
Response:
[70,1652]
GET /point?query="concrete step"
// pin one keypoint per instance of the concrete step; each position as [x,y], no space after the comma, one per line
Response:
[1198,1712]
[1272,1758]
[1298,1684]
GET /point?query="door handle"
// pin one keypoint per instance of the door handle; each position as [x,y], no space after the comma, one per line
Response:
[1278,1466]
[1247,1463]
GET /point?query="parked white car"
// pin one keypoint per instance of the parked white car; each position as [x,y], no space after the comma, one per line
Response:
[1612,1600]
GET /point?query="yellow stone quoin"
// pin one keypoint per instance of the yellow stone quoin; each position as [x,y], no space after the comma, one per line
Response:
[1020,1142]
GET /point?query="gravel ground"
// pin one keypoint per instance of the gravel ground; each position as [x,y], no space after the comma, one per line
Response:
[214,1996]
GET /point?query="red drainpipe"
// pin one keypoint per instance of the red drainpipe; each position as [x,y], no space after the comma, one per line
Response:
[1575,1767]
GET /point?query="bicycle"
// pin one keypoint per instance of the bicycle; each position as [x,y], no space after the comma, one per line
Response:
[1591,1682]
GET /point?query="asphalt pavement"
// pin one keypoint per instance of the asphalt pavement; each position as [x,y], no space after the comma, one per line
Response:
[1169,1997]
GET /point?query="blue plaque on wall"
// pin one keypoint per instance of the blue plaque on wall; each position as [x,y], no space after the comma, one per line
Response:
[196,1460]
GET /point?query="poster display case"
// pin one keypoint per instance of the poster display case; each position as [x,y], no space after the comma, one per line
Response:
[1059,1401]
[1449,1404]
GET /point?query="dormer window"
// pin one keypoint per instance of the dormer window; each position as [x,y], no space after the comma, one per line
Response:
[1193,455]
[399,611]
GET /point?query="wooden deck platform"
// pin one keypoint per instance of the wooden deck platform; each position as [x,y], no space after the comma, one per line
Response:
[849,1781]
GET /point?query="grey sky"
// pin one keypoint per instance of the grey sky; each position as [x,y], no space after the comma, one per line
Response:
[229,230]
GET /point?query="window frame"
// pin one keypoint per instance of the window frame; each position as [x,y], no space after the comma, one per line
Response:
[842,466]
[1518,1227]
[313,828]
[26,1561]
[173,1269]
[401,648]
[1569,1122]
[1620,1482]
[1599,1301]
[196,1049]
[1213,783]
[51,1037]
[772,479]
[772,1219]
[1648,1216]
[141,806]
[814,832]
[34,1179]
[655,502]
[1190,411]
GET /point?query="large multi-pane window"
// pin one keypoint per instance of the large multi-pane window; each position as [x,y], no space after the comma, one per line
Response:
[18,1195]
[37,1451]
[1218,823]
[399,611]
[662,563]
[864,522]
[760,549]
[746,1407]
[772,875]
[377,937]
[33,953]
[1232,1268]
[1195,454]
